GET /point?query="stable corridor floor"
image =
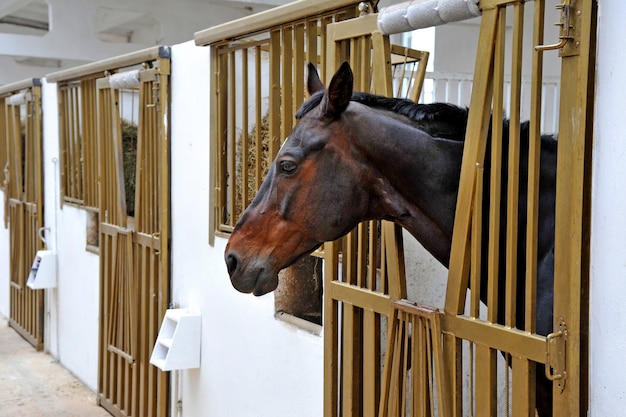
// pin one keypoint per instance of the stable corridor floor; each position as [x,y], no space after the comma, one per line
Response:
[33,384]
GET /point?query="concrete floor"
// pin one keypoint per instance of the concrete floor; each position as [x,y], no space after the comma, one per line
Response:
[33,384]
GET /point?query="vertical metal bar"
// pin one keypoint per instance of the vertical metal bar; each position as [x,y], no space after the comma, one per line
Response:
[479,113]
[231,146]
[476,254]
[245,140]
[513,167]
[331,330]
[286,115]
[534,153]
[299,39]
[571,251]
[275,93]
[495,179]
[312,39]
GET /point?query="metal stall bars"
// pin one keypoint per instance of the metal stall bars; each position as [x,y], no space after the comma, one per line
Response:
[364,276]
[499,330]
[22,133]
[133,205]
[259,68]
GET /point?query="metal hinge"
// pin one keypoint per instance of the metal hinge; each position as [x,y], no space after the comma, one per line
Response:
[569,35]
[555,355]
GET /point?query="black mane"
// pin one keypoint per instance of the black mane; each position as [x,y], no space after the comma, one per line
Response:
[439,120]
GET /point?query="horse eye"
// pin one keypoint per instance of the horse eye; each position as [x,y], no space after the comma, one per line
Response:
[287,167]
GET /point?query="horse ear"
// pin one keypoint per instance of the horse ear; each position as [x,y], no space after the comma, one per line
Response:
[339,92]
[314,84]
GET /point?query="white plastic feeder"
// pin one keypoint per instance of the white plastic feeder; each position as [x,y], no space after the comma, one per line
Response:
[43,272]
[178,343]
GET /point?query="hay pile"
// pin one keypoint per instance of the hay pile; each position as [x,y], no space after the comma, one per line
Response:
[249,161]
[129,149]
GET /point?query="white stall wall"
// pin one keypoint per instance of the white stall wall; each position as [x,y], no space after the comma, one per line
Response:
[251,364]
[72,307]
[608,235]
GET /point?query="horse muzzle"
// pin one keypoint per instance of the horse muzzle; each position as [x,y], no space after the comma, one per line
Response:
[254,277]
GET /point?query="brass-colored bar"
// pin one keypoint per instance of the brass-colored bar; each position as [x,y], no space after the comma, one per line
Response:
[366,299]
[495,179]
[523,379]
[299,40]
[142,175]
[513,168]
[486,381]
[383,78]
[572,228]
[312,39]
[116,138]
[275,93]
[476,243]
[231,140]
[243,111]
[331,339]
[517,342]
[386,388]
[258,178]
[350,361]
[373,243]
[394,259]
[287,62]
[218,101]
[350,258]
[534,153]
[474,150]
[402,383]
[418,79]
[361,251]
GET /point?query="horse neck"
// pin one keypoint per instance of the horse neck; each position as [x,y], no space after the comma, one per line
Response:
[419,175]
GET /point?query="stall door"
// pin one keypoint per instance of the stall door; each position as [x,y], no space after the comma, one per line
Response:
[23,123]
[134,230]
[499,331]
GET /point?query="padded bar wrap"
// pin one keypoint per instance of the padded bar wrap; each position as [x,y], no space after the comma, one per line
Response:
[127,79]
[418,14]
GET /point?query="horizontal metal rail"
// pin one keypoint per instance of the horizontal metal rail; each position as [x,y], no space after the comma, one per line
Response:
[288,13]
[121,61]
[15,87]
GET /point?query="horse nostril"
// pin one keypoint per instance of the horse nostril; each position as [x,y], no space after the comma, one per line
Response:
[231,263]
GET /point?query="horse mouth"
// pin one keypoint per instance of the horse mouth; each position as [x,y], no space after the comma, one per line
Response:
[265,285]
[255,279]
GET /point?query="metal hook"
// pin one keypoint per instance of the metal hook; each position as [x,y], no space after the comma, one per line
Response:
[40,233]
[565,25]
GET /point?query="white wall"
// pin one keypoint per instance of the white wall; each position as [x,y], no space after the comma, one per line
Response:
[72,307]
[252,364]
[608,235]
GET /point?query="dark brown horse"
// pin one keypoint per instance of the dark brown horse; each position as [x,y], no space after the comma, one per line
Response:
[354,157]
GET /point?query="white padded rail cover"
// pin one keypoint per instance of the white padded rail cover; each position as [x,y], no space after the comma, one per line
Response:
[20,98]
[127,79]
[418,14]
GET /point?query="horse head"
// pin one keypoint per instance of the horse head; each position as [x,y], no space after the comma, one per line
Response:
[314,191]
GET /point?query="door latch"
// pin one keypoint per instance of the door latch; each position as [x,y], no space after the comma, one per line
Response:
[567,31]
[555,355]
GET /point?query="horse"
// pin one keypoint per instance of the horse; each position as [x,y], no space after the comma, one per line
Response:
[355,156]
